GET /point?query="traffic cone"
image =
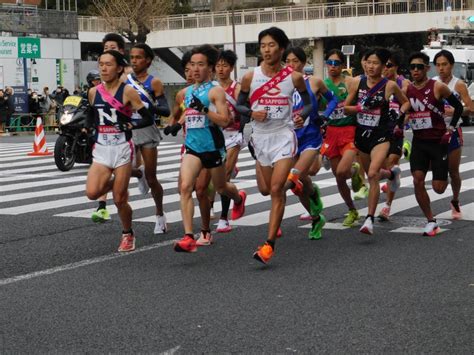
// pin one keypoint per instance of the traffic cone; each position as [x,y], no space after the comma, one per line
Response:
[39,145]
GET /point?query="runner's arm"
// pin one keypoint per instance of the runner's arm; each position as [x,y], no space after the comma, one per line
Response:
[318,86]
[221,117]
[134,99]
[349,108]
[161,108]
[461,88]
[445,93]
[300,85]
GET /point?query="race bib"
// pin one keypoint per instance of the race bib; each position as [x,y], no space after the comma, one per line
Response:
[277,107]
[195,119]
[420,120]
[369,118]
[338,112]
[109,135]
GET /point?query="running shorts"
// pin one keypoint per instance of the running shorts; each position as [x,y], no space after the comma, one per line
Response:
[396,146]
[233,139]
[425,154]
[338,140]
[457,140]
[310,142]
[113,156]
[209,160]
[366,140]
[272,147]
[147,137]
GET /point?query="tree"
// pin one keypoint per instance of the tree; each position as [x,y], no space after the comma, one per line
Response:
[133,19]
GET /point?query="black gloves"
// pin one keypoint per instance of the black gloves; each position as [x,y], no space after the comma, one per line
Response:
[198,105]
[174,129]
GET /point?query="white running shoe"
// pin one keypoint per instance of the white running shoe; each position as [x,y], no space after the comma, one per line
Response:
[305,217]
[367,227]
[160,225]
[142,183]
[384,214]
[395,182]
[204,239]
[223,226]
[431,229]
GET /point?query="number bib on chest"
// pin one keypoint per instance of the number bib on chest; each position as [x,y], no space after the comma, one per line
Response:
[109,135]
[195,119]
[420,120]
[338,112]
[278,108]
[369,118]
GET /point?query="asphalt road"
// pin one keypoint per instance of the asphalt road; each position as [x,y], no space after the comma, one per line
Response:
[65,289]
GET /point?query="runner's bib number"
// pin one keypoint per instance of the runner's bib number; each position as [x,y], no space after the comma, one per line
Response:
[109,135]
[277,107]
[420,120]
[369,119]
[338,112]
[195,119]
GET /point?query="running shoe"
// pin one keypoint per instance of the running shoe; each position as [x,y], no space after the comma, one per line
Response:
[431,229]
[367,227]
[279,233]
[315,203]
[362,194]
[293,176]
[395,182]
[316,228]
[142,183]
[326,163]
[205,238]
[100,216]
[384,187]
[305,217]
[384,214]
[356,180]
[127,243]
[456,213]
[186,244]
[406,149]
[264,253]
[351,219]
[223,226]
[160,225]
[235,172]
[239,208]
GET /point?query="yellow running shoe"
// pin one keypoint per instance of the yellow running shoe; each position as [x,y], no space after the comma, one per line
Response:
[351,219]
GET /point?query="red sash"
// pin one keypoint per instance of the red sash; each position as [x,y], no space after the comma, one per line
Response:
[278,78]
[112,101]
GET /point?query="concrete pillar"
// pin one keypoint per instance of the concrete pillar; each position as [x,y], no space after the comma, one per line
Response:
[241,57]
[318,57]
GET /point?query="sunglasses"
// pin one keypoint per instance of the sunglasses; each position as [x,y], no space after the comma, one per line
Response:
[414,66]
[334,63]
[389,65]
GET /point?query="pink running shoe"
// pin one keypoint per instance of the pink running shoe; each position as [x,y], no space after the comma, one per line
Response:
[456,213]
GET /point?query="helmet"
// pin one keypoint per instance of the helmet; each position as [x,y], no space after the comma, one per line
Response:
[92,75]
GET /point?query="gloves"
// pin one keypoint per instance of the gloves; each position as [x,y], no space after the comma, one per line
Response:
[397,132]
[373,102]
[446,138]
[198,105]
[324,124]
[174,129]
[122,126]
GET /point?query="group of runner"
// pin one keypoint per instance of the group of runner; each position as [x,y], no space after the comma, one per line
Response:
[298,122]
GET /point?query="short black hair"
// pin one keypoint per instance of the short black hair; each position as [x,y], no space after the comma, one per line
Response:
[210,52]
[277,34]
[383,54]
[419,55]
[147,49]
[444,53]
[396,58]
[298,52]
[337,52]
[114,37]
[227,56]
[119,57]
[186,59]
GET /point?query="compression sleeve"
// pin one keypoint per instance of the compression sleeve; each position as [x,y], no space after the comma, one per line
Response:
[162,108]
[458,108]
[242,104]
[145,121]
[332,103]
[307,106]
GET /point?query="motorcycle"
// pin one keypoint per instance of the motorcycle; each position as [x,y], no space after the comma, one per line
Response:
[75,140]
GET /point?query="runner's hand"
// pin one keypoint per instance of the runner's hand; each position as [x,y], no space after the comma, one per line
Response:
[175,129]
[259,115]
[446,138]
[298,121]
[197,105]
[373,102]
[398,132]
[123,126]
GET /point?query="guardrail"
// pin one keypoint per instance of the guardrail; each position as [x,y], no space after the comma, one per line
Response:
[281,14]
[26,122]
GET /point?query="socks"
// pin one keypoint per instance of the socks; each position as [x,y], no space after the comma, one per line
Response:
[130,231]
[371,217]
[271,243]
[190,235]
[102,205]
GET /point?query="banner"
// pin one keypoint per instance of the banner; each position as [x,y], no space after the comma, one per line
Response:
[20,99]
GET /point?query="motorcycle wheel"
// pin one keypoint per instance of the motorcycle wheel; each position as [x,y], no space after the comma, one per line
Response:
[64,157]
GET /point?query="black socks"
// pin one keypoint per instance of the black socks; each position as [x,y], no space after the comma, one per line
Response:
[102,205]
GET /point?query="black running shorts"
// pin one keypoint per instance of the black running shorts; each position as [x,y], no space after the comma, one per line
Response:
[366,140]
[426,154]
[209,160]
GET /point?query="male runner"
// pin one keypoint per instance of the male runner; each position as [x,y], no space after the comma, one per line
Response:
[444,62]
[113,151]
[431,135]
[269,88]
[147,139]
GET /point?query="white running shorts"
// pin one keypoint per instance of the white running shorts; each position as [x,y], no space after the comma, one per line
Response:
[233,139]
[271,147]
[113,156]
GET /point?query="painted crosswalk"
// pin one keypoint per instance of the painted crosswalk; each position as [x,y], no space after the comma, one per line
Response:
[29,185]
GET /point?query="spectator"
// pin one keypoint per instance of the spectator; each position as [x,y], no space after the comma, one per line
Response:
[48,108]
[11,104]
[4,110]
[34,104]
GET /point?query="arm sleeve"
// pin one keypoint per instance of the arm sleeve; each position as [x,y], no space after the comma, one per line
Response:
[332,103]
[458,108]
[307,106]
[147,119]
[242,104]
[162,108]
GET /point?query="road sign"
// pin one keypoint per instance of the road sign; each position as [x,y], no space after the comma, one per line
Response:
[29,47]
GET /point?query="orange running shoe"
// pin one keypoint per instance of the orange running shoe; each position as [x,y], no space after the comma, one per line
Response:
[127,243]
[186,244]
[264,253]
[239,208]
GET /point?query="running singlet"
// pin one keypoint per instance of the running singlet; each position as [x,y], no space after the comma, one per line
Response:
[452,87]
[276,101]
[312,122]
[199,136]
[105,118]
[338,117]
[372,119]
[231,103]
[427,118]
[147,86]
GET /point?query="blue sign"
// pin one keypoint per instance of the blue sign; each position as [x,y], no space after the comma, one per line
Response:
[20,99]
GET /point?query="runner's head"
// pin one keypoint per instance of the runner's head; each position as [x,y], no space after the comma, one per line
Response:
[444,62]
[376,60]
[186,65]
[419,64]
[203,61]
[391,67]
[111,65]
[273,42]
[225,64]
[114,41]
[295,57]
[335,60]
[93,78]
[141,56]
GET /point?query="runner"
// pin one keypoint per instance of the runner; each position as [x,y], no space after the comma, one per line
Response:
[113,151]
[234,139]
[431,136]
[396,143]
[374,128]
[310,140]
[338,144]
[206,111]
[147,139]
[270,88]
[444,62]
